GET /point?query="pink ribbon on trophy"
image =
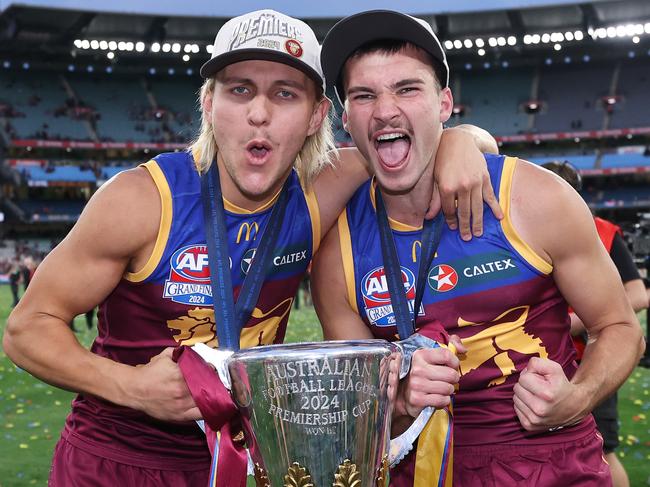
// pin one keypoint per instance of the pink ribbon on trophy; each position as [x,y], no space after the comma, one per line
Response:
[219,413]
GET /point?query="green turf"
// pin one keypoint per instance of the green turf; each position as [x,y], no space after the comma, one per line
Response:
[32,413]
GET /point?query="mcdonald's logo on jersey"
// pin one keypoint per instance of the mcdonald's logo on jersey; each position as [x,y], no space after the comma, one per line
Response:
[248,230]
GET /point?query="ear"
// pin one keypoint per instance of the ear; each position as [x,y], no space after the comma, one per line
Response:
[206,105]
[318,116]
[446,104]
[344,119]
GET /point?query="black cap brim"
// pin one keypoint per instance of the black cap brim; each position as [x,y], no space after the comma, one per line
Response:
[216,64]
[357,30]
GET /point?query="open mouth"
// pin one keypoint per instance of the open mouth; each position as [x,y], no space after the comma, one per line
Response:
[393,148]
[258,150]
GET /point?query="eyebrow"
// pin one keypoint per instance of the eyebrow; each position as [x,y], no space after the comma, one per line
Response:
[281,82]
[394,86]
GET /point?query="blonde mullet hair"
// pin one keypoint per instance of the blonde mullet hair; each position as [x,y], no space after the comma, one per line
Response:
[315,154]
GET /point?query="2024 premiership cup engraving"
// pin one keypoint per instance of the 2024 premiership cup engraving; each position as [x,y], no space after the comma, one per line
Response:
[318,405]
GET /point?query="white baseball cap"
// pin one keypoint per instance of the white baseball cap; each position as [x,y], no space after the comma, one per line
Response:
[270,36]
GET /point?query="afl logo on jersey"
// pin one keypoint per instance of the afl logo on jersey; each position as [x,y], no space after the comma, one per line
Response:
[443,278]
[376,297]
[191,263]
[374,286]
[189,276]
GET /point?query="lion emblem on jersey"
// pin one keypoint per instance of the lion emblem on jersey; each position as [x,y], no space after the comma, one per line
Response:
[504,334]
[198,326]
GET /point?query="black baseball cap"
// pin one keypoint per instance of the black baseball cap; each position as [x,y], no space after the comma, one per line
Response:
[354,31]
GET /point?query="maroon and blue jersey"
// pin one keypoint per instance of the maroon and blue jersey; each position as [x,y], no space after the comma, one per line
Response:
[494,292]
[169,303]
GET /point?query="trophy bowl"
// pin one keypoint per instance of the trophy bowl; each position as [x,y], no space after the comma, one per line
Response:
[316,414]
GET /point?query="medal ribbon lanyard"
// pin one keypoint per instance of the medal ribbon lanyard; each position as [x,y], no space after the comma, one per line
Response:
[230,317]
[431,235]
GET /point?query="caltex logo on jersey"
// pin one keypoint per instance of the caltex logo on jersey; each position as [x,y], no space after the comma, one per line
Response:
[189,276]
[376,296]
[443,278]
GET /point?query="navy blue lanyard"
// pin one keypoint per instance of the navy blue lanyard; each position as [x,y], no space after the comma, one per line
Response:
[230,317]
[431,235]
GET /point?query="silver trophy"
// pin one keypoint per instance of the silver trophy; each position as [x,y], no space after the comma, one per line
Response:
[318,414]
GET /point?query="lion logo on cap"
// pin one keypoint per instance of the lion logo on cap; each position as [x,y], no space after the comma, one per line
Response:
[293,47]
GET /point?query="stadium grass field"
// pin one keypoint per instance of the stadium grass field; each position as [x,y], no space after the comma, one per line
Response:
[32,413]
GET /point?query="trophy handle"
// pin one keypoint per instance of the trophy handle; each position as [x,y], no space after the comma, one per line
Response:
[403,444]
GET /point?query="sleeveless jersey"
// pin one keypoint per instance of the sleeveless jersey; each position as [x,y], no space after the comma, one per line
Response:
[494,292]
[168,303]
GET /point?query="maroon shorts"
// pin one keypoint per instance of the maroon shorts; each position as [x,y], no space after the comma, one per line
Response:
[574,463]
[74,467]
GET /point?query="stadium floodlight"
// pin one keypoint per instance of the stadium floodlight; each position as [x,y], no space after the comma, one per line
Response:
[536,38]
[186,57]
[176,48]
[576,140]
[512,40]
[110,55]
[155,47]
[129,46]
[139,46]
[638,29]
[557,47]
[94,44]
[568,36]
[578,35]
[449,45]
[166,47]
[195,49]
[636,39]
[77,43]
[188,48]
[492,42]
[481,52]
[458,44]
[501,41]
[209,48]
[103,45]
[611,32]
[546,38]
[528,39]
[630,30]
[479,42]
[85,44]
[601,33]
[646,28]
[468,43]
